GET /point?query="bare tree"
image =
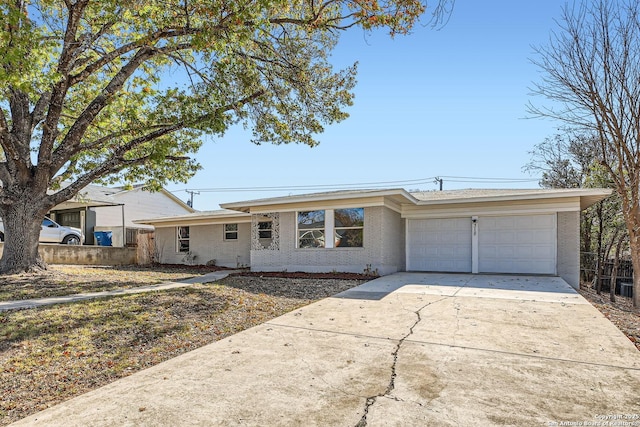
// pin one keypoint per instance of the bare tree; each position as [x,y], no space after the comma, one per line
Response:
[591,73]
[571,160]
[564,160]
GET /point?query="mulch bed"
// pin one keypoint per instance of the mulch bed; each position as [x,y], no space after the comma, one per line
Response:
[303,275]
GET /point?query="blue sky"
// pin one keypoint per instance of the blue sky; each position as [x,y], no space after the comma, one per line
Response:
[447,103]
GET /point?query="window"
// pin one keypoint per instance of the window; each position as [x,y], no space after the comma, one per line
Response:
[48,223]
[349,226]
[346,226]
[311,229]
[70,219]
[231,232]
[183,239]
[264,229]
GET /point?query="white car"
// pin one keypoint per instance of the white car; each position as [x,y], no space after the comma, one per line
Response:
[52,232]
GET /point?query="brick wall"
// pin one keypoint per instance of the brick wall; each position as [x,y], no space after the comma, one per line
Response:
[206,243]
[568,266]
[383,248]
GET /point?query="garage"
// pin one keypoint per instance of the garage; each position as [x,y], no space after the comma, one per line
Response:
[442,244]
[503,244]
[517,244]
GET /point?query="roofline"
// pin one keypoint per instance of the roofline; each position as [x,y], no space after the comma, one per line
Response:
[594,195]
[245,206]
[178,200]
[142,187]
[588,197]
[212,216]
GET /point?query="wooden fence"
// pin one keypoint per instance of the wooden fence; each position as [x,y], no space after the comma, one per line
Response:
[588,272]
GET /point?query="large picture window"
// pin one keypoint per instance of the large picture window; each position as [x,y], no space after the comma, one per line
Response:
[349,226]
[183,239]
[345,226]
[311,229]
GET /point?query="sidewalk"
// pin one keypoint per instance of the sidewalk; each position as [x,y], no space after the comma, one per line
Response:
[38,302]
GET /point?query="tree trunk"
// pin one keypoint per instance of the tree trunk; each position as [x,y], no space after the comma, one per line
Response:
[22,224]
[634,243]
[614,270]
[589,266]
[600,255]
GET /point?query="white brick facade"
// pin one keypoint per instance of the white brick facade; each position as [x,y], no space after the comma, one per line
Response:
[569,247]
[382,251]
[207,243]
[386,245]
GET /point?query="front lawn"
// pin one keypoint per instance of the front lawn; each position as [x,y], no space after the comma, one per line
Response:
[62,280]
[51,354]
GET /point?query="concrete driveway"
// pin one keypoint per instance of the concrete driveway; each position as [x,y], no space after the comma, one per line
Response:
[408,349]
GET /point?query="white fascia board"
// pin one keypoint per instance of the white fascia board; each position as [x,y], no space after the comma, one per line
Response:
[198,219]
[596,194]
[323,200]
[515,207]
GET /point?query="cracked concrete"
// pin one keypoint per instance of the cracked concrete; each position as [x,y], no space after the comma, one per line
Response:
[371,400]
[405,349]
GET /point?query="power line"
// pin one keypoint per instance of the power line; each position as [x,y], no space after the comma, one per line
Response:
[486,179]
[370,185]
[318,186]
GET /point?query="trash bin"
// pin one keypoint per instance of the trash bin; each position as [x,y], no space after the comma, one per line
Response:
[103,238]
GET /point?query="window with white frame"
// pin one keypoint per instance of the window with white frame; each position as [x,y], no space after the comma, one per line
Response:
[231,232]
[182,238]
[345,225]
[311,227]
[265,229]
[349,227]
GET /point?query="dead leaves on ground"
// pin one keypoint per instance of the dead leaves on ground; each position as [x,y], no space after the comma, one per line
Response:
[51,354]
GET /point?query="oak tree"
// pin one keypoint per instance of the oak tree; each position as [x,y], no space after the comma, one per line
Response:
[122,90]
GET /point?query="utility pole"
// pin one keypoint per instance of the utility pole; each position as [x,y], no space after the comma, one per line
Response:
[191,192]
[438,180]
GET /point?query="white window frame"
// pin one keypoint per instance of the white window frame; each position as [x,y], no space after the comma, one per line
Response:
[323,229]
[226,232]
[329,230]
[264,230]
[334,231]
[179,239]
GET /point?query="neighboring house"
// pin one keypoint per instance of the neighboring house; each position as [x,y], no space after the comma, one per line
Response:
[104,209]
[385,231]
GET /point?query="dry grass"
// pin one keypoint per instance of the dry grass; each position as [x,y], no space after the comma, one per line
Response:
[50,354]
[62,280]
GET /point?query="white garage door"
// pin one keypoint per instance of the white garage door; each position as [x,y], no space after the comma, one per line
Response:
[439,245]
[517,244]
